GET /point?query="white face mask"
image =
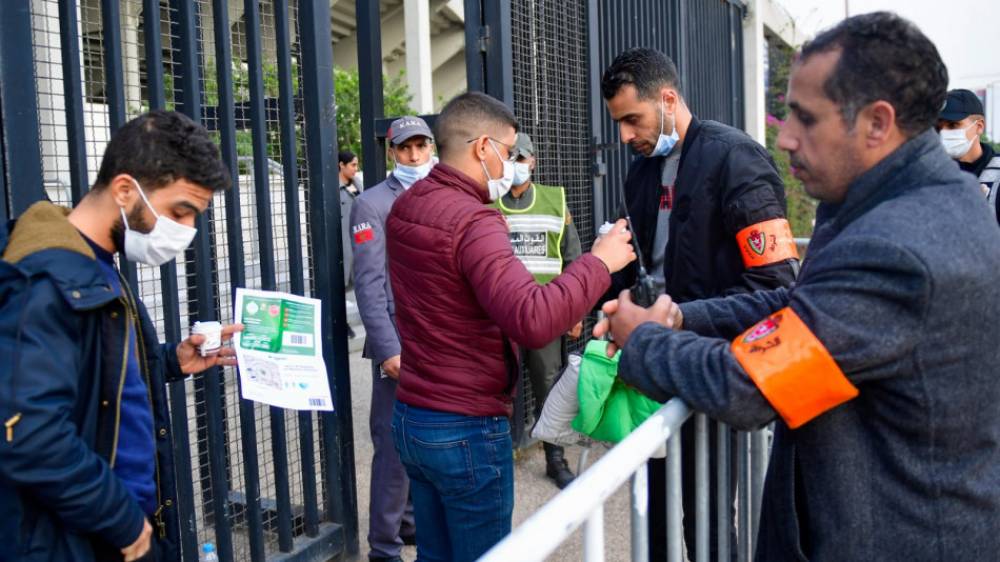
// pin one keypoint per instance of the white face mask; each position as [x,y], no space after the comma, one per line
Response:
[522,173]
[409,175]
[665,143]
[500,186]
[955,142]
[163,243]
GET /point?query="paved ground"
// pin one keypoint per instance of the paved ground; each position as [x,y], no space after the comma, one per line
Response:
[531,488]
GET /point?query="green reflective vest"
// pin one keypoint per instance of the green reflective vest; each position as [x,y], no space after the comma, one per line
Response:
[536,232]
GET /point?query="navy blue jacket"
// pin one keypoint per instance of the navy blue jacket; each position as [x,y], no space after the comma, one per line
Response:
[62,365]
[901,285]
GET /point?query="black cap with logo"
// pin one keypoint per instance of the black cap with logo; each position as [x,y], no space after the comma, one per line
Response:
[961,104]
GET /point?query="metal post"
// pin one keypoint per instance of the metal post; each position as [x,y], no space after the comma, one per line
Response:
[758,472]
[370,78]
[289,157]
[593,536]
[639,497]
[474,48]
[723,505]
[675,530]
[600,169]
[499,66]
[22,153]
[237,278]
[265,238]
[324,223]
[186,29]
[703,514]
[76,137]
[744,552]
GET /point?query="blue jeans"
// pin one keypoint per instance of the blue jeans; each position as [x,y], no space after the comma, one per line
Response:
[461,471]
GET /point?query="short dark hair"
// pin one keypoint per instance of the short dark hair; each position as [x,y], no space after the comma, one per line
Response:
[884,57]
[646,69]
[468,116]
[346,157]
[160,147]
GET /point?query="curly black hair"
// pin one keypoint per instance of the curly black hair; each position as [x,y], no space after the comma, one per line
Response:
[883,57]
[646,69]
[160,147]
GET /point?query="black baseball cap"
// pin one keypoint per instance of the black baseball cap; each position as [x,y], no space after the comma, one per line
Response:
[961,104]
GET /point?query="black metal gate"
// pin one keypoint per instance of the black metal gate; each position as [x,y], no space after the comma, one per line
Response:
[558,51]
[705,39]
[260,482]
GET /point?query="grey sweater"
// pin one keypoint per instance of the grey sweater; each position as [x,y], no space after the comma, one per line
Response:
[901,284]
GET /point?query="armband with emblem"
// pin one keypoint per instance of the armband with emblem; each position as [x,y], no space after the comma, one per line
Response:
[792,368]
[766,242]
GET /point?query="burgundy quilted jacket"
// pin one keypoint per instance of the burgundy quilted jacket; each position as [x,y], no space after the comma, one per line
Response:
[460,293]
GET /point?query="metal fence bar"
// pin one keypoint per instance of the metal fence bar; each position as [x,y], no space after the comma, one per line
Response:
[286,115]
[216,451]
[703,514]
[168,286]
[237,275]
[593,536]
[542,533]
[324,223]
[474,78]
[723,481]
[639,497]
[675,526]
[114,91]
[758,470]
[370,77]
[743,552]
[76,137]
[154,55]
[262,191]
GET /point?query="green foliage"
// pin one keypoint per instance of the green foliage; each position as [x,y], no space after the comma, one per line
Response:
[779,67]
[347,87]
[986,140]
[801,207]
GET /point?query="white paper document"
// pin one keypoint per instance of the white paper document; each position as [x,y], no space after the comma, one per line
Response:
[280,351]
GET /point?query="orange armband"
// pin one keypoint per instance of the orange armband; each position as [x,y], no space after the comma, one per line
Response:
[766,242]
[792,369]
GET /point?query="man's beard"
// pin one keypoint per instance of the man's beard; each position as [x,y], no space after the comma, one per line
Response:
[136,221]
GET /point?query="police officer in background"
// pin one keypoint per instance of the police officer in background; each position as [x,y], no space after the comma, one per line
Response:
[961,124]
[544,238]
[390,512]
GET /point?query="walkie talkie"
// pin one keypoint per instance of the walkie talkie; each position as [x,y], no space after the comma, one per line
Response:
[644,290]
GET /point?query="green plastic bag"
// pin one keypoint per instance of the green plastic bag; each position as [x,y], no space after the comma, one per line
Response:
[609,410]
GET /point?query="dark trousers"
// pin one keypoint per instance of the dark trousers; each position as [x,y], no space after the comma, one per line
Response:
[390,513]
[543,367]
[657,471]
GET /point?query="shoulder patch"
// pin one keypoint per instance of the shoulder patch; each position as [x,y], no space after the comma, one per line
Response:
[766,242]
[363,232]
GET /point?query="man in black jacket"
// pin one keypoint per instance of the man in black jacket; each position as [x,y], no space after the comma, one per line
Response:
[960,126]
[708,209]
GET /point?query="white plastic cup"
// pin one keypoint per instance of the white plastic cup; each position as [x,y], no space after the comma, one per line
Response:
[213,337]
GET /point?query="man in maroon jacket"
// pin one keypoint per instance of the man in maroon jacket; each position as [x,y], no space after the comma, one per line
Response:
[464,303]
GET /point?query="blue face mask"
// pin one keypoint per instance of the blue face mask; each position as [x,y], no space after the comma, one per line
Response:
[665,143]
[522,173]
[409,175]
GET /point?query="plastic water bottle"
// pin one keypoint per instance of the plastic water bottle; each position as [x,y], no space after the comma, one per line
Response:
[208,553]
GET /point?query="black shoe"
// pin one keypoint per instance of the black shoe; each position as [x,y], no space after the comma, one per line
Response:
[384,558]
[409,540]
[556,467]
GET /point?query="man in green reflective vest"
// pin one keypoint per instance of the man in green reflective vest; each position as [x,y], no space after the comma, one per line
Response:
[544,239]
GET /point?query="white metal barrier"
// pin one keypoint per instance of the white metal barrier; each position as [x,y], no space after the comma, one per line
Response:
[582,502]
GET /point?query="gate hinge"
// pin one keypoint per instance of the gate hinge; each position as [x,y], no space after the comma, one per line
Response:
[484,38]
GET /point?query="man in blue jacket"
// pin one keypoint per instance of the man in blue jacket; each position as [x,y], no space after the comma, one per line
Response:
[86,471]
[880,363]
